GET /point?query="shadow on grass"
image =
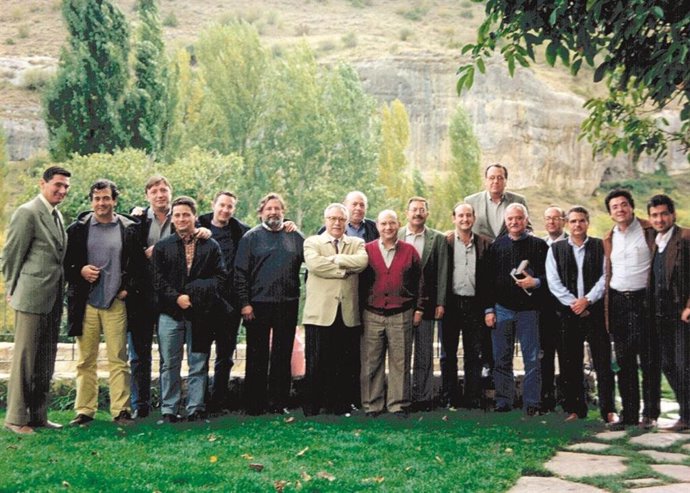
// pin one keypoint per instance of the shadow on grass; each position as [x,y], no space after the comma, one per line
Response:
[435,451]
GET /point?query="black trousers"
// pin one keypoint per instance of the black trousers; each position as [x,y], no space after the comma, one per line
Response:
[270,337]
[327,373]
[462,315]
[635,337]
[675,358]
[225,336]
[549,341]
[574,332]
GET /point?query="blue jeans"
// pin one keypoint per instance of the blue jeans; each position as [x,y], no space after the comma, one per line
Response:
[173,335]
[524,325]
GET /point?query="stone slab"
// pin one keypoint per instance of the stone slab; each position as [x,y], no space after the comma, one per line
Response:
[679,473]
[668,406]
[611,435]
[588,447]
[664,488]
[580,465]
[536,484]
[658,440]
[686,448]
[640,482]
[665,456]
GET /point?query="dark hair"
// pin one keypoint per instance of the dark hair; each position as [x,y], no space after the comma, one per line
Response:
[462,203]
[661,199]
[55,170]
[266,198]
[579,210]
[155,180]
[226,193]
[183,200]
[618,192]
[102,184]
[497,165]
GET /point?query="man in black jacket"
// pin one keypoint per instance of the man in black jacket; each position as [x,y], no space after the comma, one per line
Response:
[101,265]
[188,273]
[225,320]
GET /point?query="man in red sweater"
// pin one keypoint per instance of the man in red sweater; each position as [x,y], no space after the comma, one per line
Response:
[392,308]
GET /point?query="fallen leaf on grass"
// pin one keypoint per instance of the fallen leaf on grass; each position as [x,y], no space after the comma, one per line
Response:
[408,468]
[212,438]
[375,479]
[439,460]
[358,433]
[280,485]
[247,456]
[305,475]
[213,459]
[302,452]
[325,475]
[65,484]
[298,485]
[444,418]
[508,450]
[289,419]
[256,467]
[12,447]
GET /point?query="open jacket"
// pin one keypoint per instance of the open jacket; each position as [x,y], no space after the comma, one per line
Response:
[78,289]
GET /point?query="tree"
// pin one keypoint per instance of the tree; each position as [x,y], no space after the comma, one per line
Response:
[392,166]
[639,47]
[146,117]
[82,107]
[463,177]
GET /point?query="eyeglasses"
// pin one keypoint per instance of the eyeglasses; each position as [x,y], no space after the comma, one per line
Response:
[336,219]
[496,178]
[553,219]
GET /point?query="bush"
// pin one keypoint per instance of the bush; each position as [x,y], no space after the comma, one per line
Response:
[467,14]
[23,32]
[405,34]
[350,40]
[170,20]
[326,45]
[416,13]
[35,79]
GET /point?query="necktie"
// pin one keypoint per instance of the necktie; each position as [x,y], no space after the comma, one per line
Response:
[56,218]
[335,245]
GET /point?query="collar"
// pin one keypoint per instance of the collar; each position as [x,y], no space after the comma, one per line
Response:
[94,222]
[410,233]
[383,247]
[282,225]
[457,237]
[328,238]
[522,237]
[634,226]
[662,239]
[151,215]
[570,242]
[50,207]
[188,238]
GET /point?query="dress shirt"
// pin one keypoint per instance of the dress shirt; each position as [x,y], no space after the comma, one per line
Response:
[630,258]
[464,267]
[556,285]
[416,240]
[550,240]
[662,239]
[157,230]
[352,230]
[496,213]
[387,253]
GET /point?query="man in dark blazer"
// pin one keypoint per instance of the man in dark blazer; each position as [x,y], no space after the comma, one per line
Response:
[467,253]
[669,290]
[32,267]
[188,273]
[433,252]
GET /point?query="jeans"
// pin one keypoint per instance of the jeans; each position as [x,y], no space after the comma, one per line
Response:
[525,325]
[173,335]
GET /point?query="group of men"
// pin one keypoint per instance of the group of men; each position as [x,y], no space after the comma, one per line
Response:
[374,293]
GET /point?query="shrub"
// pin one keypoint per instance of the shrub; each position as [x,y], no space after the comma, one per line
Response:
[170,20]
[10,41]
[35,79]
[326,45]
[302,29]
[405,34]
[350,40]
[23,32]
[467,14]
[416,13]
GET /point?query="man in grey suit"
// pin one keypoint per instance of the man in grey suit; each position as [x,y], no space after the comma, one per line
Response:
[490,205]
[32,267]
[431,247]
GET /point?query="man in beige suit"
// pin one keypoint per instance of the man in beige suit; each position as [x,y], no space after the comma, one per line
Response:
[334,261]
[32,267]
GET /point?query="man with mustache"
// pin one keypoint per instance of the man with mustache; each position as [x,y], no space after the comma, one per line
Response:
[267,282]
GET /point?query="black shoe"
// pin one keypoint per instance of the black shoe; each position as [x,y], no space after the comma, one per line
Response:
[503,409]
[372,414]
[402,414]
[140,413]
[81,420]
[197,416]
[124,418]
[168,418]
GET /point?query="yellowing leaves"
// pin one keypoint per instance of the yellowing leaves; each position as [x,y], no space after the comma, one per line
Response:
[213,459]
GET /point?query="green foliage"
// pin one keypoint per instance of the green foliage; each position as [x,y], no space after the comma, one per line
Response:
[440,451]
[146,112]
[644,186]
[416,13]
[82,108]
[350,40]
[36,79]
[640,48]
[463,176]
[393,173]
[170,20]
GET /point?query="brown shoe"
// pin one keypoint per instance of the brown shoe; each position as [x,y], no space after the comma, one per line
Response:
[124,418]
[19,429]
[571,417]
[81,420]
[679,425]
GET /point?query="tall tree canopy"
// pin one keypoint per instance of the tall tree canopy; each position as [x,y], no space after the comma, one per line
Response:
[640,48]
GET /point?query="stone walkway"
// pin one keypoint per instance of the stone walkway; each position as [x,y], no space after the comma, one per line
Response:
[660,462]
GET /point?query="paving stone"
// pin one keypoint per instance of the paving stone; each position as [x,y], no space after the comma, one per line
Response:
[680,473]
[686,448]
[536,484]
[669,420]
[658,439]
[588,447]
[580,465]
[611,435]
[640,482]
[665,456]
[668,406]
[664,488]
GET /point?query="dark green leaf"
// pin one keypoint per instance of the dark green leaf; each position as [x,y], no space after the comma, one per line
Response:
[600,72]
[658,12]
[480,65]
[551,52]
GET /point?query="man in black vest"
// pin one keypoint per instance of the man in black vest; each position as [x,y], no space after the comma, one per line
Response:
[670,299]
[575,274]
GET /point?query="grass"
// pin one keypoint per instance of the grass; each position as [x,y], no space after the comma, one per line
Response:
[437,451]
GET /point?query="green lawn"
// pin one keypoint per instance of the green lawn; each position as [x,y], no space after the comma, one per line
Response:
[436,452]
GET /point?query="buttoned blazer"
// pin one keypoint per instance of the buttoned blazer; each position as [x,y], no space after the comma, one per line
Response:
[434,269]
[676,266]
[478,201]
[32,258]
[333,283]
